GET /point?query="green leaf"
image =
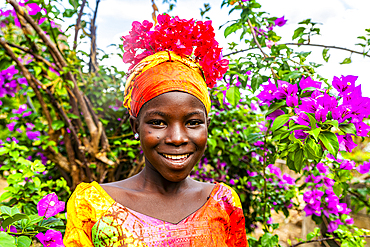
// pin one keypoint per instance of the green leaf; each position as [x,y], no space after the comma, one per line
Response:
[212,143]
[266,239]
[6,240]
[6,210]
[312,121]
[298,160]
[330,141]
[69,13]
[348,128]
[337,188]
[37,71]
[346,61]
[56,125]
[231,29]
[310,236]
[273,107]
[23,241]
[33,219]
[298,32]
[307,21]
[332,122]
[233,96]
[299,127]
[325,55]
[12,219]
[315,133]
[280,121]
[256,82]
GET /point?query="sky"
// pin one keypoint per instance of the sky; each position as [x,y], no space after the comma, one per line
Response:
[342,22]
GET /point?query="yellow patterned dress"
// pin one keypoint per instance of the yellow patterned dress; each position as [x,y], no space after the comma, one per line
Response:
[95,219]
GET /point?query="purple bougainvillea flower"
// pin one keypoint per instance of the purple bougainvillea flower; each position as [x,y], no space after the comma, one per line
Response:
[308,82]
[347,165]
[11,126]
[51,238]
[29,126]
[328,182]
[313,179]
[333,225]
[280,21]
[33,135]
[344,83]
[308,105]
[349,221]
[285,89]
[321,114]
[288,179]
[20,110]
[300,134]
[292,100]
[322,168]
[10,228]
[362,128]
[49,206]
[326,101]
[342,112]
[301,117]
[364,168]
[268,92]
[346,142]
[275,170]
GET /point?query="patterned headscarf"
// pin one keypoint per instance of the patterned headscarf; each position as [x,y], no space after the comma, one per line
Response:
[163,72]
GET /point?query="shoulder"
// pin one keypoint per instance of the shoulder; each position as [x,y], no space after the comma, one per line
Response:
[225,194]
[89,200]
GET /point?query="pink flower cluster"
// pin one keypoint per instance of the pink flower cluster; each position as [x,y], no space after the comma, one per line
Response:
[180,36]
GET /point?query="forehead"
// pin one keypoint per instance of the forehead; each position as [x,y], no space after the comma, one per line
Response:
[173,103]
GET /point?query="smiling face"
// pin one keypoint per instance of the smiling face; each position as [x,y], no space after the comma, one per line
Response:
[173,133]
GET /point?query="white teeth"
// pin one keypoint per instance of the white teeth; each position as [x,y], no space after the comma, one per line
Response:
[175,157]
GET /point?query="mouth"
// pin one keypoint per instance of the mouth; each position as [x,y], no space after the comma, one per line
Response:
[176,158]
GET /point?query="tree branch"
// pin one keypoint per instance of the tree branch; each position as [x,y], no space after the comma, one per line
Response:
[255,39]
[38,57]
[30,81]
[323,240]
[330,46]
[78,22]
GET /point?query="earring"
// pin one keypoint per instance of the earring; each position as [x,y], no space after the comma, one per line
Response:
[136,136]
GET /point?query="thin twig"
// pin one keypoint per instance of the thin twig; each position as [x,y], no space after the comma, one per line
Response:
[298,44]
[38,57]
[330,46]
[78,23]
[255,39]
[359,197]
[324,239]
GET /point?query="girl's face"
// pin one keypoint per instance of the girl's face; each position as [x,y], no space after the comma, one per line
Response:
[173,133]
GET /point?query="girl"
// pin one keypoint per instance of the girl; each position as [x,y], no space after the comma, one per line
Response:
[167,97]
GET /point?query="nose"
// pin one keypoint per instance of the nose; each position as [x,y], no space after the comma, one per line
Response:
[177,135]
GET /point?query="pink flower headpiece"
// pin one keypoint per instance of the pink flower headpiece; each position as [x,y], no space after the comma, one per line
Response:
[194,39]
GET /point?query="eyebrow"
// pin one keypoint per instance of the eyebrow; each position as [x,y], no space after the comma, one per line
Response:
[153,113]
[195,113]
[162,114]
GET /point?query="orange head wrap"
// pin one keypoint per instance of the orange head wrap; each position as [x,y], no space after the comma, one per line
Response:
[160,73]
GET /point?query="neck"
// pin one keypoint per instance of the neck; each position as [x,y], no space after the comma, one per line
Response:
[154,182]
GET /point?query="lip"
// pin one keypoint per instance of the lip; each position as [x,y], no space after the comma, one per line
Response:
[177,163]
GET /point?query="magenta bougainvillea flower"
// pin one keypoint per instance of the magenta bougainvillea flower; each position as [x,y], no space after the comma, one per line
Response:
[51,238]
[280,21]
[308,82]
[50,205]
[344,83]
[364,168]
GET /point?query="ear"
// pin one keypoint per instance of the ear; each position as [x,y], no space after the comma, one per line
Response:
[208,122]
[134,122]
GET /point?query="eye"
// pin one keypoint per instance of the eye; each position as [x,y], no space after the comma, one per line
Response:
[157,122]
[193,123]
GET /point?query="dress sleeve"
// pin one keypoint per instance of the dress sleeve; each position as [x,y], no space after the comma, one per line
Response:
[237,236]
[84,208]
